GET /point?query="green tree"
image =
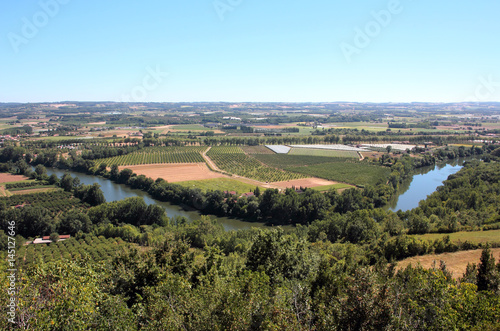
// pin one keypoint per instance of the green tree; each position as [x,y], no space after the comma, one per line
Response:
[53,179]
[54,237]
[114,171]
[40,170]
[22,166]
[487,275]
[95,196]
[278,255]
[74,222]
[66,182]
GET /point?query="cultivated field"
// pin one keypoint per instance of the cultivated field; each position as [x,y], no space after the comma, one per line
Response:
[234,161]
[286,160]
[96,248]
[337,147]
[455,262]
[175,172]
[55,201]
[310,183]
[8,178]
[472,236]
[221,184]
[155,155]
[324,152]
[34,190]
[348,172]
[330,168]
[256,150]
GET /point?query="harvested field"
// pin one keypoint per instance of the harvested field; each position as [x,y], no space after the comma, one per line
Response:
[456,262]
[304,182]
[491,236]
[177,172]
[7,178]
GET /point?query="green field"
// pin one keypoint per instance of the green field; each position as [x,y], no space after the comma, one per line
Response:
[234,161]
[155,155]
[31,188]
[189,127]
[286,160]
[257,150]
[338,186]
[221,184]
[303,131]
[361,126]
[473,236]
[356,173]
[324,152]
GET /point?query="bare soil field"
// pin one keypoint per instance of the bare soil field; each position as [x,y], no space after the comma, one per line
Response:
[304,182]
[456,262]
[177,172]
[6,178]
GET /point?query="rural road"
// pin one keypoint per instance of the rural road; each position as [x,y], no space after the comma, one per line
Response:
[209,161]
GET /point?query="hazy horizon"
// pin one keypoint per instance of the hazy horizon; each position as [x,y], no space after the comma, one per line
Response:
[249,51]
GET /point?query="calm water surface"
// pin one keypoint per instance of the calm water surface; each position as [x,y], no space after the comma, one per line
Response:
[424,182]
[115,192]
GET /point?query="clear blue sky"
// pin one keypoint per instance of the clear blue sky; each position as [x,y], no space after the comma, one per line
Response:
[89,50]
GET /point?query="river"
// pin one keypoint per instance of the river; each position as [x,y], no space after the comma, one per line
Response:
[424,182]
[114,192]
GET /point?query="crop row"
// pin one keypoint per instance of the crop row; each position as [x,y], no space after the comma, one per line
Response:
[53,201]
[155,155]
[96,248]
[234,161]
[324,152]
[10,186]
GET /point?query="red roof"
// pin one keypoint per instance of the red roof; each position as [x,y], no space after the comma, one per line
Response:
[63,236]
